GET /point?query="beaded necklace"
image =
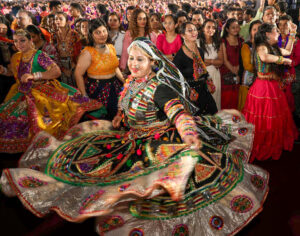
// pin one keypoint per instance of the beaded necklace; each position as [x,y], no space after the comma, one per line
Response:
[198,64]
[131,87]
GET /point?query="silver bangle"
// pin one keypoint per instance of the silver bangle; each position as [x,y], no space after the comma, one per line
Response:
[37,75]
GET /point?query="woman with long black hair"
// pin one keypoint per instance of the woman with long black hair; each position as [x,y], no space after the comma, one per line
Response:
[266,105]
[190,63]
[99,61]
[139,26]
[40,43]
[231,49]
[213,56]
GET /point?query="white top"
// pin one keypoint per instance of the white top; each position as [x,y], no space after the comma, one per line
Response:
[118,42]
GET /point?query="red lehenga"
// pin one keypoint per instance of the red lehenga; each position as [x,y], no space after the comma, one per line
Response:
[230,92]
[266,107]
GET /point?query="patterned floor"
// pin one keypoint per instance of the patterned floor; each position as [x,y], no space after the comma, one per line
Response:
[281,214]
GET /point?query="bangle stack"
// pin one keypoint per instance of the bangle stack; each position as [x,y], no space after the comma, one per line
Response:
[280,60]
[37,75]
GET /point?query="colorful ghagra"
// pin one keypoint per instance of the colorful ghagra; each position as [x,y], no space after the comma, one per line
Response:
[34,106]
[266,107]
[145,180]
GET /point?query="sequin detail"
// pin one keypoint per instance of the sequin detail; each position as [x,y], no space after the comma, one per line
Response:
[41,142]
[123,187]
[241,204]
[236,119]
[258,182]
[31,182]
[180,230]
[239,153]
[216,222]
[90,201]
[243,131]
[136,232]
[110,223]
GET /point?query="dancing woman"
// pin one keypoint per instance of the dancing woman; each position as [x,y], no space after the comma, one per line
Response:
[36,101]
[181,171]
[266,105]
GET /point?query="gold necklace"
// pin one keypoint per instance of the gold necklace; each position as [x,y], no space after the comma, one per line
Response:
[27,56]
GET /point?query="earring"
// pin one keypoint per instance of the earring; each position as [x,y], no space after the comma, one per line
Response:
[155,68]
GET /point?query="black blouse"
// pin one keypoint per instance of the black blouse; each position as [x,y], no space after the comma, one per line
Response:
[185,63]
[205,101]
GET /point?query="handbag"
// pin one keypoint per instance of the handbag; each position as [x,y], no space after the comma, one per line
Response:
[229,78]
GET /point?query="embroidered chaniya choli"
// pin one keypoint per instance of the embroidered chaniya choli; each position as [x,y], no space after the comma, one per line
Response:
[267,108]
[145,180]
[40,105]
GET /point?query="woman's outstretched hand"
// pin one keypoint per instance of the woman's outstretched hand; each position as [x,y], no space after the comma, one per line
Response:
[193,141]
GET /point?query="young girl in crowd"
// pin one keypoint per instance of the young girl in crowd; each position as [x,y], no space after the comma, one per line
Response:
[68,45]
[84,31]
[213,57]
[248,75]
[231,48]
[115,32]
[139,26]
[169,42]
[156,26]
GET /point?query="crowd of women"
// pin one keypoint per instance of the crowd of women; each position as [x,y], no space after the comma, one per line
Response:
[160,85]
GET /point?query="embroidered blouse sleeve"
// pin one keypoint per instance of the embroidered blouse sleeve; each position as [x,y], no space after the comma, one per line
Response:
[45,61]
[168,101]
